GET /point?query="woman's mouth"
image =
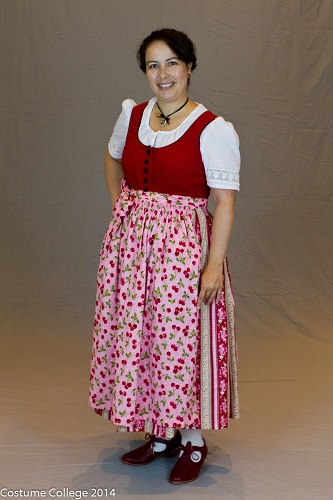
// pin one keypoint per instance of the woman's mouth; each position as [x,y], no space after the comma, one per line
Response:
[165,86]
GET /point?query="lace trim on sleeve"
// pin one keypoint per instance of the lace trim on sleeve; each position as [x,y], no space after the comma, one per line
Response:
[214,174]
[115,147]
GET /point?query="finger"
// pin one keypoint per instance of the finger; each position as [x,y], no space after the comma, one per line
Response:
[204,295]
[215,295]
[201,298]
[211,297]
[218,295]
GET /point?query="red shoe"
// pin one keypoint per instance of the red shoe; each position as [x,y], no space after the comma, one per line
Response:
[187,467]
[146,454]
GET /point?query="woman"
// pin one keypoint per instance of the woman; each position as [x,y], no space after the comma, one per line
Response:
[164,355]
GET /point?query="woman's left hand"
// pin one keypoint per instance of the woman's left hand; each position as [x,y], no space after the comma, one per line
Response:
[210,284]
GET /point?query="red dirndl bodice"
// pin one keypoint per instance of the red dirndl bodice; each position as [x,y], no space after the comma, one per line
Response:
[174,169]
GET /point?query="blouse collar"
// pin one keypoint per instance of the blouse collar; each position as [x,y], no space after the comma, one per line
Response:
[182,127]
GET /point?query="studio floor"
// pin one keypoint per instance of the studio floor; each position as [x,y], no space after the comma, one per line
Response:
[280,448]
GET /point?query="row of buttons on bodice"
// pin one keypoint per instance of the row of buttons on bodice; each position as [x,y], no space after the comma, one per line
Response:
[145,170]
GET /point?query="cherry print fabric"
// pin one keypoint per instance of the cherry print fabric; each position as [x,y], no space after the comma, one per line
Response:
[159,363]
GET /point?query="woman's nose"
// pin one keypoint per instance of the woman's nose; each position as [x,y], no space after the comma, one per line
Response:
[163,71]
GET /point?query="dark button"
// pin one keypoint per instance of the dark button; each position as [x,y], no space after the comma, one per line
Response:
[148,151]
[145,189]
[145,181]
[145,162]
[146,170]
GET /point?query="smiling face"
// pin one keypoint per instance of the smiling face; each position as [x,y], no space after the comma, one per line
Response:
[167,75]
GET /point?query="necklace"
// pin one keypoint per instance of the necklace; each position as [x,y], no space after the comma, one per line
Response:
[166,119]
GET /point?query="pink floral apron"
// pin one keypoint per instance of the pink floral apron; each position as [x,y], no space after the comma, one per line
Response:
[159,363]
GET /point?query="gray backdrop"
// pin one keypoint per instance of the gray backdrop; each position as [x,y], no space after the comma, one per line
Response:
[66,66]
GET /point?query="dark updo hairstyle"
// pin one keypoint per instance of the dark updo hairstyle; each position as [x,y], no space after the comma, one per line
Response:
[178,42]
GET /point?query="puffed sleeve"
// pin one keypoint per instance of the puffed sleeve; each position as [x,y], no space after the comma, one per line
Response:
[219,146]
[118,138]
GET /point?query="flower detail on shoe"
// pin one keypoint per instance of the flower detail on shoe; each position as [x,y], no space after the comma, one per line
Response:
[196,457]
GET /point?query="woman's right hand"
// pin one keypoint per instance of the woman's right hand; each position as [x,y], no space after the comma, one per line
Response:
[113,175]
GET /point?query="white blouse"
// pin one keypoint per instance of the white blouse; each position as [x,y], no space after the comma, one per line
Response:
[219,143]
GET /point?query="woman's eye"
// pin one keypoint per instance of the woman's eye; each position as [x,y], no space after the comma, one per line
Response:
[171,63]
[151,66]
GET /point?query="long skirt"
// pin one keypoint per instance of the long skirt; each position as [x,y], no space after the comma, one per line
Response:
[159,362]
